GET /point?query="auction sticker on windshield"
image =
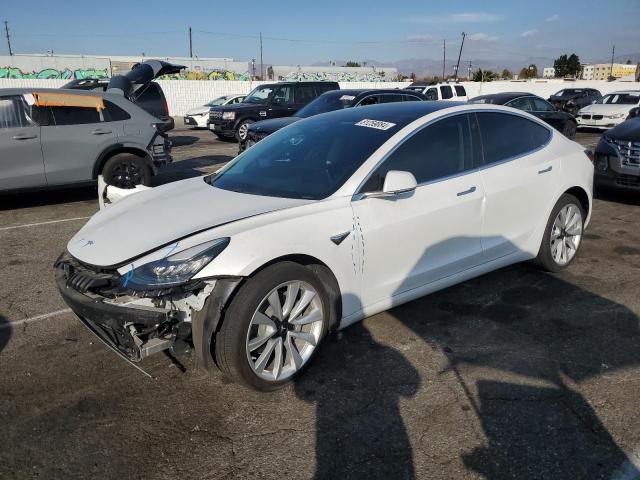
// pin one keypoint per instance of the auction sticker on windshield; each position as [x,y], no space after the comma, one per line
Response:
[379,124]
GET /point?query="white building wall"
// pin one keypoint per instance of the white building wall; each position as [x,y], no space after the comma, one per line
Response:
[548,72]
[185,94]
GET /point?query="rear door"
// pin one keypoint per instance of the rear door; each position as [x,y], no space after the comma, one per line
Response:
[446,92]
[21,164]
[303,94]
[72,141]
[519,179]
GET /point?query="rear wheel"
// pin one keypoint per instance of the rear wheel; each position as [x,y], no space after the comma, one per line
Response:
[570,129]
[562,235]
[273,327]
[126,170]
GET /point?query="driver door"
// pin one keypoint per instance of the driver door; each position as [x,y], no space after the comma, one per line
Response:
[282,102]
[433,232]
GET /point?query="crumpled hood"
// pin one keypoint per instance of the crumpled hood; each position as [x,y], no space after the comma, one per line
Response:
[606,109]
[147,220]
[198,110]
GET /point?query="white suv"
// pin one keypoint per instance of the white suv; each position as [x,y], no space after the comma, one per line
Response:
[453,92]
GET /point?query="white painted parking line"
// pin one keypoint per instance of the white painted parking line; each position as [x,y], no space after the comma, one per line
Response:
[43,223]
[44,316]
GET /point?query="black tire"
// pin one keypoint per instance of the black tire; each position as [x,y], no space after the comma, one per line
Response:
[570,129]
[126,170]
[545,260]
[242,125]
[230,341]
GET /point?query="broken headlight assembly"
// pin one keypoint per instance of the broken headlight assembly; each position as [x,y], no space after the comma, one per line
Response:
[174,269]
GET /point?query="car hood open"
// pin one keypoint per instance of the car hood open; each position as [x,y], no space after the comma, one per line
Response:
[150,219]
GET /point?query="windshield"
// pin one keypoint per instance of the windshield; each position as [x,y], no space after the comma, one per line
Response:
[258,95]
[309,159]
[568,92]
[620,98]
[327,102]
[217,101]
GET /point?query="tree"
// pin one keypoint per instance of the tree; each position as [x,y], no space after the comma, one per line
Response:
[506,74]
[567,66]
[413,77]
[351,64]
[484,75]
[528,72]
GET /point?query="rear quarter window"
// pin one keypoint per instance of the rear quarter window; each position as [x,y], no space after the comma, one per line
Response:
[460,91]
[506,136]
[113,113]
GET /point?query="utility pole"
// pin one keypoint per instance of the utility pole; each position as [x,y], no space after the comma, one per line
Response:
[469,72]
[6,30]
[261,62]
[190,44]
[460,54]
[613,52]
[444,56]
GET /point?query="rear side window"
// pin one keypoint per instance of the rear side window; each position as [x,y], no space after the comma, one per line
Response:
[304,93]
[74,115]
[446,92]
[460,91]
[411,98]
[437,151]
[325,87]
[113,113]
[506,136]
[391,98]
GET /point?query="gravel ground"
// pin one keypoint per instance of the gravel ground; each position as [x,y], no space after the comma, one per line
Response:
[516,374]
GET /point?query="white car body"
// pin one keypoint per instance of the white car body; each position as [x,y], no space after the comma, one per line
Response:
[606,115]
[394,251]
[199,116]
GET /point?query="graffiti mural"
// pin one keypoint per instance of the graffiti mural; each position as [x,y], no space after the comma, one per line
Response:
[54,73]
[378,76]
[208,75]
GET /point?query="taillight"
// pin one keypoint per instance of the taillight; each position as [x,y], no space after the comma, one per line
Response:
[589,154]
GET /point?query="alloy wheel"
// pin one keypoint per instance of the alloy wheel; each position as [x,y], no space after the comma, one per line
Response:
[126,175]
[566,234]
[285,330]
[242,131]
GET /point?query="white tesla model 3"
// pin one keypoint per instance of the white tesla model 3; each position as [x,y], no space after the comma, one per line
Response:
[330,220]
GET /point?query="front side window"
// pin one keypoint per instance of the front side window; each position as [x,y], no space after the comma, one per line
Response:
[411,98]
[370,100]
[506,136]
[12,113]
[439,150]
[309,159]
[446,92]
[521,103]
[391,98]
[540,105]
[432,94]
[326,103]
[283,95]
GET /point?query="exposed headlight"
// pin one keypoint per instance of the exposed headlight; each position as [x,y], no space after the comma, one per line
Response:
[174,269]
[229,115]
[616,115]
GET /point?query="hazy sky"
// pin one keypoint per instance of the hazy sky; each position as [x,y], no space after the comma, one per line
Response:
[301,32]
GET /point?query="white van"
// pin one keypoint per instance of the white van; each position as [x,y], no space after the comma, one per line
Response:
[453,92]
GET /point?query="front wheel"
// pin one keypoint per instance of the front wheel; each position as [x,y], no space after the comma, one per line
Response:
[562,235]
[273,327]
[243,130]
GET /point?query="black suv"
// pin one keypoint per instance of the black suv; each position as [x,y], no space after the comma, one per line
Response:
[617,156]
[573,99]
[266,101]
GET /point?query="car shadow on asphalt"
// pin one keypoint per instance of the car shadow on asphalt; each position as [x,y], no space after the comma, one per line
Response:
[618,196]
[38,198]
[183,140]
[5,332]
[193,167]
[517,322]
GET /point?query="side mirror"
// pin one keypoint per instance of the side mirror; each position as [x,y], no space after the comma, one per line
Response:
[397,182]
[634,112]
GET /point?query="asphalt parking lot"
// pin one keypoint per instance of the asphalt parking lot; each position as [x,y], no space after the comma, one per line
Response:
[516,374]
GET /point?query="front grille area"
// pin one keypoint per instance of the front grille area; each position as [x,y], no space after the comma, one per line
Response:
[215,114]
[629,153]
[628,181]
[597,117]
[84,279]
[585,116]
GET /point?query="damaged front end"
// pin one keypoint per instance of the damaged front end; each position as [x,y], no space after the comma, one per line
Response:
[137,322]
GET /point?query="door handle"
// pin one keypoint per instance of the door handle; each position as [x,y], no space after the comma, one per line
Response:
[545,170]
[100,131]
[467,192]
[24,136]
